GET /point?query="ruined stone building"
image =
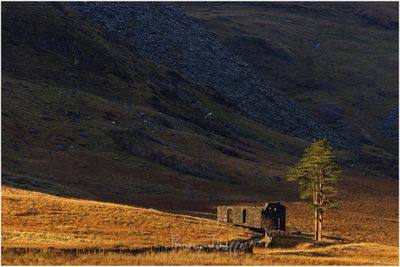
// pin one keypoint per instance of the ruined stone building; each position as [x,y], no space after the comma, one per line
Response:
[269,217]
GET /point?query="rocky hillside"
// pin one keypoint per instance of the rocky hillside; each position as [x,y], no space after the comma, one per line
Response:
[338,60]
[163,33]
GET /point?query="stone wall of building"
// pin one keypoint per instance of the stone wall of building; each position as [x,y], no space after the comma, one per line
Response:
[270,217]
[249,216]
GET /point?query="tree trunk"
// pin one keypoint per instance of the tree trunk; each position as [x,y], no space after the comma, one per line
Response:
[316,224]
[320,219]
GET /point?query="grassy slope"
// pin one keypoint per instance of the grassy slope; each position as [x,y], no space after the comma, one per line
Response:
[355,68]
[41,220]
[368,212]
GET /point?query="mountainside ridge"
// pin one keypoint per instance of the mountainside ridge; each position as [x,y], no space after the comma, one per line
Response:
[163,33]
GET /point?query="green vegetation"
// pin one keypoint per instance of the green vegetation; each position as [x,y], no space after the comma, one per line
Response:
[316,174]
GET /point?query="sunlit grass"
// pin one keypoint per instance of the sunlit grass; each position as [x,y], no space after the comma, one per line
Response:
[37,220]
[32,219]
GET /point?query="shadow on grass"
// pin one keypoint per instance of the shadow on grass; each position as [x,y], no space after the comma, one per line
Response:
[295,240]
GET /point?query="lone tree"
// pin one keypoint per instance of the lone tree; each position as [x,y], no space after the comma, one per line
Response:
[316,174]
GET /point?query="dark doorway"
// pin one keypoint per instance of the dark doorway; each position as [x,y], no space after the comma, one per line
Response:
[229,216]
[244,215]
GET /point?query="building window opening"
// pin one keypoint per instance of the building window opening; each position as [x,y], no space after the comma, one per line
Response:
[244,215]
[229,216]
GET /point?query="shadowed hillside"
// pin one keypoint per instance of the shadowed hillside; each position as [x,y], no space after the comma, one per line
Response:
[163,33]
[338,60]
[85,116]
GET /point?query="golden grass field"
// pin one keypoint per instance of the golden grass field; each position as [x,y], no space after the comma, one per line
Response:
[34,219]
[366,223]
